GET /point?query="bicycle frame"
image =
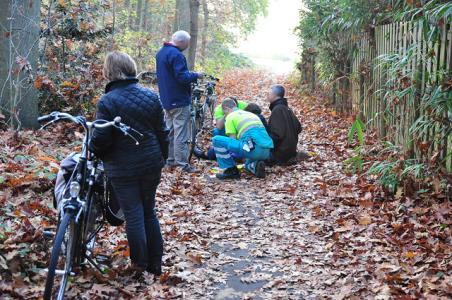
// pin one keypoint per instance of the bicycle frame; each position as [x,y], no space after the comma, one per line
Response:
[198,109]
[207,91]
[78,218]
[81,205]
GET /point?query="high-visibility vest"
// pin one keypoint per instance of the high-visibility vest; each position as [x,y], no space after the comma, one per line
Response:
[218,114]
[240,121]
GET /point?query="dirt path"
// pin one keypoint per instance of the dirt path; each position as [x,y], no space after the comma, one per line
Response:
[309,231]
[269,238]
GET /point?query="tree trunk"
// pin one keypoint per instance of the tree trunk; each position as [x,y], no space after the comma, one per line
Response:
[182,15]
[144,16]
[113,27]
[176,15]
[194,14]
[19,39]
[204,31]
[128,6]
[138,14]
[313,78]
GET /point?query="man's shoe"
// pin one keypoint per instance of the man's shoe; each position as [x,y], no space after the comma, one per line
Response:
[260,169]
[190,169]
[199,153]
[155,269]
[230,173]
[170,164]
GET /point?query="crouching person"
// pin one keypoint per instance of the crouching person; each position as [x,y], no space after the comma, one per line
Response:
[283,127]
[247,138]
[220,116]
[210,154]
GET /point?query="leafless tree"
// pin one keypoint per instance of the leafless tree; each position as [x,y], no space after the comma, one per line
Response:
[19,35]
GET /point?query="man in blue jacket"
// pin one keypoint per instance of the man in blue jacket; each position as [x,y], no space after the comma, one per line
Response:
[174,81]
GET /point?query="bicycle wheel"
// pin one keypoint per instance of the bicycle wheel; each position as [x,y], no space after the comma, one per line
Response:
[93,217]
[62,256]
[212,106]
[193,137]
[200,117]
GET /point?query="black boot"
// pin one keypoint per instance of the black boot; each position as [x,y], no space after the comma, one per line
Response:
[260,169]
[199,153]
[155,269]
[230,173]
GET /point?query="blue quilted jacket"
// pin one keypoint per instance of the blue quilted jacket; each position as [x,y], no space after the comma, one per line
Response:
[173,77]
[140,108]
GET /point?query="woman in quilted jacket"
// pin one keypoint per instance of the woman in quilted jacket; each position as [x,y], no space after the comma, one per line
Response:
[134,170]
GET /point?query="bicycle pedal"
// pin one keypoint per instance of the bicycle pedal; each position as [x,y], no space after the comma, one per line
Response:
[102,258]
[48,234]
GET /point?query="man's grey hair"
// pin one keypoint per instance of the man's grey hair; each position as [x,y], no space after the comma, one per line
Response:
[228,103]
[279,90]
[181,36]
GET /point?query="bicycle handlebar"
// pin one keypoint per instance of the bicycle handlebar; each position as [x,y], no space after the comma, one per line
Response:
[146,73]
[116,122]
[153,74]
[55,116]
[212,77]
[58,116]
[45,118]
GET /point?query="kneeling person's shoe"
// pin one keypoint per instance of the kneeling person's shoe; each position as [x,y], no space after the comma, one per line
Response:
[260,169]
[230,173]
[199,153]
[190,169]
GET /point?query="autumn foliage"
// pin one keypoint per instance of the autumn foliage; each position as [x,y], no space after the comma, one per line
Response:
[309,230]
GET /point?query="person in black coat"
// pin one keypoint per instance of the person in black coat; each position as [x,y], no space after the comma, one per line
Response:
[283,127]
[256,109]
[134,170]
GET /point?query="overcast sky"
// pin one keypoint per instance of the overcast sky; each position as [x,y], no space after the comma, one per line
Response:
[274,37]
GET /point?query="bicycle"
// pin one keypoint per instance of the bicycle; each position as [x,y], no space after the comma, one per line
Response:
[82,210]
[147,77]
[203,99]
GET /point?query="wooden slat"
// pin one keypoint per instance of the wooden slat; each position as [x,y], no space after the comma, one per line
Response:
[394,108]
[414,67]
[367,94]
[449,70]
[441,65]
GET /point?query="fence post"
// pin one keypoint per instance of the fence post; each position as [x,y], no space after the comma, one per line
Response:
[361,95]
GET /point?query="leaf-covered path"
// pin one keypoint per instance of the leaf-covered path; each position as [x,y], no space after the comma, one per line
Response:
[308,231]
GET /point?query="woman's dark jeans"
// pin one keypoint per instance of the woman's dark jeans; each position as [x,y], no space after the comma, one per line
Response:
[136,196]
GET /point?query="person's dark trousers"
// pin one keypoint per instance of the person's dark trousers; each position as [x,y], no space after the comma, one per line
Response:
[136,196]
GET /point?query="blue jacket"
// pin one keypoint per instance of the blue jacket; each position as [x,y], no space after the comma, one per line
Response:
[173,77]
[140,108]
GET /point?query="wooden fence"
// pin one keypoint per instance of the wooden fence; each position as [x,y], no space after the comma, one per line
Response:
[368,91]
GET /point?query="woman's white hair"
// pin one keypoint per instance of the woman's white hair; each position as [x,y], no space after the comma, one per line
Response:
[180,36]
[119,66]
